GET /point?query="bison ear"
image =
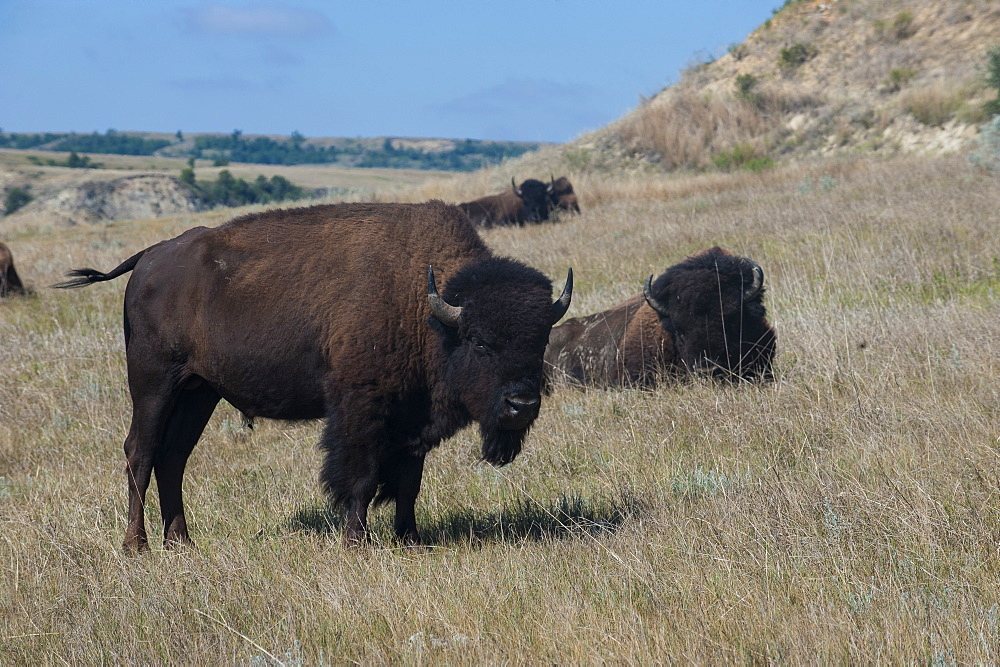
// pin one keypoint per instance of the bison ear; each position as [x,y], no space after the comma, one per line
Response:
[446,313]
[647,292]
[561,305]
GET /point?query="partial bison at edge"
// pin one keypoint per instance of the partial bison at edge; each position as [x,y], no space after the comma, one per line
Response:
[703,315]
[331,312]
[10,282]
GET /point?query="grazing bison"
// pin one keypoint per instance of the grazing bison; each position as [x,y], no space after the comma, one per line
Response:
[331,312]
[561,195]
[10,282]
[528,203]
[704,315]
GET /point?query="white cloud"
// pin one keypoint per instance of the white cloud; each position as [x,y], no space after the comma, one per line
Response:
[257,21]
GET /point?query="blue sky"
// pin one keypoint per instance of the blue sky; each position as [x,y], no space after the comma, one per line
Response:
[532,70]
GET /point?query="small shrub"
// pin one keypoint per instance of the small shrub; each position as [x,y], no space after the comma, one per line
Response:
[902,25]
[759,164]
[987,153]
[15,199]
[220,162]
[992,107]
[738,51]
[744,87]
[795,55]
[738,156]
[899,77]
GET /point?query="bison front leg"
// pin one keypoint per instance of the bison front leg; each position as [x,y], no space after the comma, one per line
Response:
[411,470]
[350,473]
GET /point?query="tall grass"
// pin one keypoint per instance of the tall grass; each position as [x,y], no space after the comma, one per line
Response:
[847,512]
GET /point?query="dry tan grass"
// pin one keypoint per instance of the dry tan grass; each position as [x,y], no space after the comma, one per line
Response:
[848,512]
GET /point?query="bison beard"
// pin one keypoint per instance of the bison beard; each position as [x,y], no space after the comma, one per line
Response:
[500,446]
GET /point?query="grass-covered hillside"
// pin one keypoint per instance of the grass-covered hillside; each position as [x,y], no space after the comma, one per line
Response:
[847,512]
[819,78]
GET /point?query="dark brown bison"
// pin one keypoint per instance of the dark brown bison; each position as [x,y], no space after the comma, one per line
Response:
[10,282]
[331,312]
[562,197]
[517,206]
[704,315]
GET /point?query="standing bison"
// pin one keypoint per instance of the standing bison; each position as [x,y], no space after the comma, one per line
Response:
[528,203]
[331,312]
[704,315]
[10,282]
[561,195]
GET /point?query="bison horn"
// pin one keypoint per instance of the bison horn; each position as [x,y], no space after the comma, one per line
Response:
[514,185]
[758,280]
[647,291]
[561,304]
[447,314]
[552,183]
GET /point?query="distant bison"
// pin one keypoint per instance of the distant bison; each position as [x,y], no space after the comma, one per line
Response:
[10,282]
[331,312]
[517,206]
[562,197]
[704,315]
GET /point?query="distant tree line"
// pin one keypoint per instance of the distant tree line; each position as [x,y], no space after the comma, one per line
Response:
[25,141]
[465,155]
[109,142]
[227,190]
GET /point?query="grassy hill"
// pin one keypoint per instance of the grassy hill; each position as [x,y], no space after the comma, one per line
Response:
[819,78]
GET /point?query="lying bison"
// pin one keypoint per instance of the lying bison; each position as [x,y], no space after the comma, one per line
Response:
[561,195]
[10,282]
[517,206]
[704,315]
[331,312]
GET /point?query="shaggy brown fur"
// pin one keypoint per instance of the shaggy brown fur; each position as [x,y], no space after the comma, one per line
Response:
[323,312]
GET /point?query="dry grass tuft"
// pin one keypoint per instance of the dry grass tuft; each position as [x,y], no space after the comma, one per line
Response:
[845,513]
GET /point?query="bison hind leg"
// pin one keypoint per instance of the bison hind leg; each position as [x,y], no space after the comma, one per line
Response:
[191,411]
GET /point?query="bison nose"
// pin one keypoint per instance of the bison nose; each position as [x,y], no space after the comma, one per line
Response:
[520,411]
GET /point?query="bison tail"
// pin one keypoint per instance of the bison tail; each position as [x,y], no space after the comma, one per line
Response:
[84,277]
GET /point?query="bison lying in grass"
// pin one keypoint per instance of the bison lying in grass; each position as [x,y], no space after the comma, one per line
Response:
[562,198]
[517,206]
[704,315]
[331,312]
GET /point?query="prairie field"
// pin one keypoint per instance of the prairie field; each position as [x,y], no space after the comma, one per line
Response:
[847,512]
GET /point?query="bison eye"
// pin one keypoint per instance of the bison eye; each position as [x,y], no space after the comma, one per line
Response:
[479,345]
